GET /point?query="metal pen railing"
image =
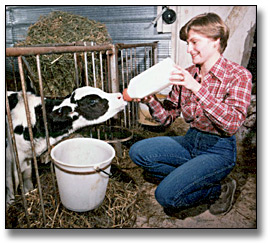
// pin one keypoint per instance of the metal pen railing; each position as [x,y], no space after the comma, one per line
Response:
[114,64]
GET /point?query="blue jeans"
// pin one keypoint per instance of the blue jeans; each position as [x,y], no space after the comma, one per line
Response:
[190,167]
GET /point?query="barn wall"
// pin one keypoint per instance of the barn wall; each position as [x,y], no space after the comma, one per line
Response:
[240,19]
[125,24]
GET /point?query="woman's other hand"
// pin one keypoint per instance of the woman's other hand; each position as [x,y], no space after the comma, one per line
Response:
[182,77]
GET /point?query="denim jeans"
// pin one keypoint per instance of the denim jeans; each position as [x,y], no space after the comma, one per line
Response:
[190,167]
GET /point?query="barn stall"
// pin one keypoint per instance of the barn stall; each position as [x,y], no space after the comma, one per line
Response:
[117,133]
[113,65]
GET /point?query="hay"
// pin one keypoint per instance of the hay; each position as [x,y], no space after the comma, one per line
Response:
[130,197]
[119,210]
[126,198]
[58,70]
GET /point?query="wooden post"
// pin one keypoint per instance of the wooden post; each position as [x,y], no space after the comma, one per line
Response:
[114,69]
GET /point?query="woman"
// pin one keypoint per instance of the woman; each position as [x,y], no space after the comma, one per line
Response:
[213,96]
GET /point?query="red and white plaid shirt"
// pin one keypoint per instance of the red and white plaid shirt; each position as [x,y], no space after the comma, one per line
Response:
[219,107]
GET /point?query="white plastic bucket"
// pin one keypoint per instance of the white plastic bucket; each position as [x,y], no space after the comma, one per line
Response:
[82,168]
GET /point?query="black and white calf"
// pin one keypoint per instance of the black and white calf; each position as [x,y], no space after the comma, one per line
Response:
[85,106]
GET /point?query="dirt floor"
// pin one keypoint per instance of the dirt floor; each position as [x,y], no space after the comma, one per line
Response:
[242,214]
[130,201]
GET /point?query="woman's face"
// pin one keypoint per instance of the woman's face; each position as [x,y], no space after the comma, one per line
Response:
[201,48]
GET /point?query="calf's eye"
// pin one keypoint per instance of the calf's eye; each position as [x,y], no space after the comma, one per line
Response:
[93,102]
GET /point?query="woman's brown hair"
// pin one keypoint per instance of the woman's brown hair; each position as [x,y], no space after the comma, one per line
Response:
[209,25]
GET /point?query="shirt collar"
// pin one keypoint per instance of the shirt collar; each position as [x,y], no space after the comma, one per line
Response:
[218,69]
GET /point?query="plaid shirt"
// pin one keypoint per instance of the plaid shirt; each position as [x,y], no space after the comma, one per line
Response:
[219,107]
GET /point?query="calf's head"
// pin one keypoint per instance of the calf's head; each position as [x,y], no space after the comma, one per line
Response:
[88,105]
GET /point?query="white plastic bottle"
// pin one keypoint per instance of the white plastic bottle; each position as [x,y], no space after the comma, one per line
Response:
[151,81]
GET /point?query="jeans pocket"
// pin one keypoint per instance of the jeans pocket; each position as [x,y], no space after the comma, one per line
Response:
[207,142]
[227,148]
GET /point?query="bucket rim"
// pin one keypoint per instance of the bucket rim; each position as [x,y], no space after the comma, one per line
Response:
[94,166]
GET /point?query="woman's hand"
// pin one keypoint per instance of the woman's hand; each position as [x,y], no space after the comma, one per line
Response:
[127,98]
[182,77]
[143,100]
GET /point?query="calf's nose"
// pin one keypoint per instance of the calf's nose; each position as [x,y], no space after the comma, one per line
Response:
[119,96]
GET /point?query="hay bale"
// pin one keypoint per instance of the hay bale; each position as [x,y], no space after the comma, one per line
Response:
[58,70]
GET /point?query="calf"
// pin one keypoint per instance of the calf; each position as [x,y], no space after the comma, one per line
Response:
[85,106]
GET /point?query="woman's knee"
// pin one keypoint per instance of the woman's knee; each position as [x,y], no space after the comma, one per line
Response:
[137,151]
[164,198]
[141,150]
[133,152]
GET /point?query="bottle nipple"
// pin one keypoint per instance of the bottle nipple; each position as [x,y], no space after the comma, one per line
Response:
[126,96]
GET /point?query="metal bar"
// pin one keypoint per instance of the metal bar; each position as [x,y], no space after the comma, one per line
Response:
[78,43]
[86,68]
[101,70]
[131,64]
[127,67]
[136,73]
[105,133]
[19,171]
[129,104]
[135,62]
[123,84]
[109,73]
[31,134]
[145,60]
[42,101]
[32,76]
[155,53]
[151,57]
[124,46]
[131,76]
[45,122]
[122,69]
[27,51]
[114,81]
[14,77]
[66,48]
[94,74]
[114,70]
[98,133]
[76,70]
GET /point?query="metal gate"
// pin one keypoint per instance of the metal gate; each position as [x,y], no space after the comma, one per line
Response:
[113,65]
